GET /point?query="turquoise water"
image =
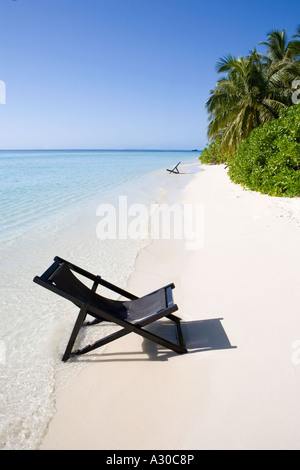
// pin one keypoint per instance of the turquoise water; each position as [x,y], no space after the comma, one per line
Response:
[49,201]
[36,185]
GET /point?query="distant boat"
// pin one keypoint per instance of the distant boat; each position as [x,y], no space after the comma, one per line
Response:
[195,150]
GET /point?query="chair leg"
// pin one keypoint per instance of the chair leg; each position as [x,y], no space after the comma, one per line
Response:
[78,324]
[177,320]
[101,342]
[129,328]
[178,348]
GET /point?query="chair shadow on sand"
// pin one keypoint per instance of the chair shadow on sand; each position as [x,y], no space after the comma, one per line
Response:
[199,336]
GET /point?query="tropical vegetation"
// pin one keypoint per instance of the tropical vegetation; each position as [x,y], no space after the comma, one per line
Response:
[269,159]
[251,92]
[212,154]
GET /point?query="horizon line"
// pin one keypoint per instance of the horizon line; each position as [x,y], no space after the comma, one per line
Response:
[97,150]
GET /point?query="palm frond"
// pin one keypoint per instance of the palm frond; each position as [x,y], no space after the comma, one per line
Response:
[253,89]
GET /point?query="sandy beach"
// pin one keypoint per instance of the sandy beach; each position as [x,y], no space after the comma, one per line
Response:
[238,297]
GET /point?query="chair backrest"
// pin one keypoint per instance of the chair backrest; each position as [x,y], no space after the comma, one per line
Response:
[64,279]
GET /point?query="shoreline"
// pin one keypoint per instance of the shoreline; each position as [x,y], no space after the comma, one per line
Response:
[238,386]
[45,320]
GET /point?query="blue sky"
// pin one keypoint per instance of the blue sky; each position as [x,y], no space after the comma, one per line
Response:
[121,73]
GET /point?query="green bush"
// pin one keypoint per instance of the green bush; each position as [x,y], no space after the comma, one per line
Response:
[211,155]
[268,161]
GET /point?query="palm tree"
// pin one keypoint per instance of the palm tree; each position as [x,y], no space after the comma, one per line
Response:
[282,62]
[281,51]
[240,101]
[253,90]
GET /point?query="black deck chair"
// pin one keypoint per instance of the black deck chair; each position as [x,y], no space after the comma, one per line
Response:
[132,315]
[175,169]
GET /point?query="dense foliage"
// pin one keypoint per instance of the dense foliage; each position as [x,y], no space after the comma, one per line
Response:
[211,155]
[269,159]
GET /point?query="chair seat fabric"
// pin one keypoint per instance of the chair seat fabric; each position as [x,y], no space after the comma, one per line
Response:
[132,310]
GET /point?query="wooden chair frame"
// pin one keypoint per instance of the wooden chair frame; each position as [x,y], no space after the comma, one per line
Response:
[99,313]
[175,169]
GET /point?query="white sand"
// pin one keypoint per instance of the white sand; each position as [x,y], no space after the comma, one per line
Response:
[137,396]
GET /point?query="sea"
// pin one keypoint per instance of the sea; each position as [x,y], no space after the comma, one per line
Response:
[49,205]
